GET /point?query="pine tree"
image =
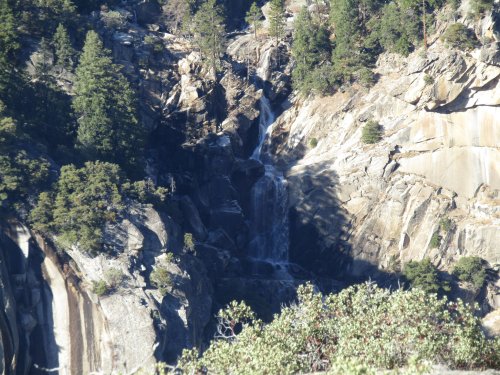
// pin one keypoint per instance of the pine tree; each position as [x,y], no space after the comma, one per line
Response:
[63,48]
[43,61]
[277,19]
[348,55]
[253,18]
[209,31]
[107,125]
[311,46]
[177,14]
[8,33]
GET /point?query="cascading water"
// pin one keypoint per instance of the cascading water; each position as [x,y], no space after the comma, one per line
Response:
[269,196]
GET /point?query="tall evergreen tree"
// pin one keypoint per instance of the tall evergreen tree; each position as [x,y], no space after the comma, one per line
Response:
[8,33]
[43,60]
[311,47]
[277,19]
[209,30]
[104,102]
[8,45]
[253,18]
[63,48]
[348,56]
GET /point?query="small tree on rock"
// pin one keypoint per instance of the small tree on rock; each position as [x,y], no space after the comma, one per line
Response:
[209,31]
[277,19]
[64,50]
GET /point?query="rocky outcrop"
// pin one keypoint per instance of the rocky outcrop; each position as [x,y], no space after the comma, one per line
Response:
[130,327]
[359,210]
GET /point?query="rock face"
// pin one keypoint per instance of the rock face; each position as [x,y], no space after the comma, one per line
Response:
[359,210]
[75,331]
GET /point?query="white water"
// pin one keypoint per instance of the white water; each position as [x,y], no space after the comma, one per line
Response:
[269,196]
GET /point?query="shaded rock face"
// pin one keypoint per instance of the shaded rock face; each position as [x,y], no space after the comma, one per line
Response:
[52,320]
[358,210]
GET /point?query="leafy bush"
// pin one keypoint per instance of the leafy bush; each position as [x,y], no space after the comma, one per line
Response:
[21,173]
[85,200]
[361,327]
[100,288]
[459,36]
[472,270]
[480,7]
[155,43]
[435,240]
[313,142]
[113,19]
[428,80]
[115,277]
[424,275]
[189,244]
[445,224]
[371,133]
[160,279]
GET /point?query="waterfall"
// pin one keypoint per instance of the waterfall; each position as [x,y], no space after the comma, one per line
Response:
[269,196]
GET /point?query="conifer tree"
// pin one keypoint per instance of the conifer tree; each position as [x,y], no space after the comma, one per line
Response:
[209,30]
[63,48]
[43,60]
[104,102]
[8,46]
[311,46]
[348,56]
[8,34]
[277,19]
[253,18]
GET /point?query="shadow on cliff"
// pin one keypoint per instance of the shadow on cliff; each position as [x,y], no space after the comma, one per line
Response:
[33,296]
[320,230]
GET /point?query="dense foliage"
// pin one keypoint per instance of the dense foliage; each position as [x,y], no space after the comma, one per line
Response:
[459,36]
[85,199]
[364,325]
[277,19]
[343,49]
[424,275]
[108,128]
[209,30]
[371,132]
[471,270]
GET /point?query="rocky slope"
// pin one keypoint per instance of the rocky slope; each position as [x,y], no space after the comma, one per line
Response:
[355,210]
[361,210]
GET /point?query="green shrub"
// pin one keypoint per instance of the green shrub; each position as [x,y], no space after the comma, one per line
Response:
[100,288]
[428,80]
[85,200]
[113,19]
[472,270]
[21,174]
[156,43]
[424,275]
[480,7]
[372,132]
[435,240]
[358,331]
[115,277]
[445,224]
[160,279]
[459,36]
[313,142]
[366,77]
[189,244]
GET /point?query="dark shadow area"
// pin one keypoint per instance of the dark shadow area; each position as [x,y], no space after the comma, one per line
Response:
[33,299]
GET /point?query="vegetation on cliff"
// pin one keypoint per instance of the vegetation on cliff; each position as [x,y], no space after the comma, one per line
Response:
[359,330]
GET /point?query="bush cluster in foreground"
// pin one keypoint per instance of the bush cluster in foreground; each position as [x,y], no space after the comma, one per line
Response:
[359,330]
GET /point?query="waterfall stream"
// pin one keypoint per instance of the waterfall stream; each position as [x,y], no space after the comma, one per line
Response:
[269,196]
